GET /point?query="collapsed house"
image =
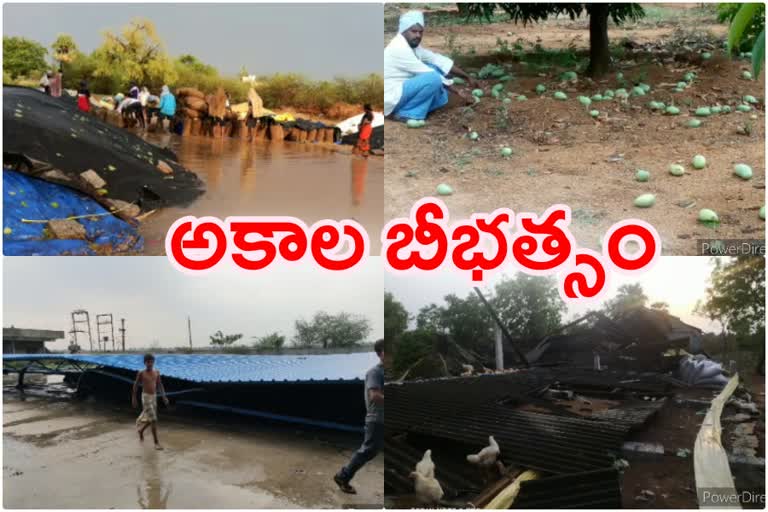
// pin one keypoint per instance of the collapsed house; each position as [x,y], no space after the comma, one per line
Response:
[638,338]
[585,421]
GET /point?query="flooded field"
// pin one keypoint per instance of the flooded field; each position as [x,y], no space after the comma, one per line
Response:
[307,181]
[64,454]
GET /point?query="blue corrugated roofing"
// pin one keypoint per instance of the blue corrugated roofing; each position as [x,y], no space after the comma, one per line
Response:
[231,368]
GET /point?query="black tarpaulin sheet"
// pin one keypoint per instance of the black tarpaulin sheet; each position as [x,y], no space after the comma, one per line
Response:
[51,139]
[377,138]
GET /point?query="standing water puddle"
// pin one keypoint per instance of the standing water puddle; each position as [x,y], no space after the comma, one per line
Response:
[306,181]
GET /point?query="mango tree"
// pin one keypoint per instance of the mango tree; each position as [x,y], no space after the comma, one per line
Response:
[599,52]
[747,25]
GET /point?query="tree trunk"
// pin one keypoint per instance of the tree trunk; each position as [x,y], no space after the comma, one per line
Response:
[599,54]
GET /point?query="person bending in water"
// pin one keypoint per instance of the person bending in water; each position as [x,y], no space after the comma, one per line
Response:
[150,382]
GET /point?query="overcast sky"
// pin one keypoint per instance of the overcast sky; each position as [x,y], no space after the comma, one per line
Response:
[318,40]
[677,280]
[155,299]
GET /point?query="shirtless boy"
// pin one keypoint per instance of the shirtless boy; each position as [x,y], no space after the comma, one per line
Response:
[150,382]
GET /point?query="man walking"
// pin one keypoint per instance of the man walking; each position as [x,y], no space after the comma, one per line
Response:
[374,423]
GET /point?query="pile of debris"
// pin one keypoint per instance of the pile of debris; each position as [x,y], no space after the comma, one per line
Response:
[562,428]
[537,429]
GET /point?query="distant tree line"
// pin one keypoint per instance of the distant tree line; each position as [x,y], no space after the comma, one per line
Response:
[137,54]
[324,331]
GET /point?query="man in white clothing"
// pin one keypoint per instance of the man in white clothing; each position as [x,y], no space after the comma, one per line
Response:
[416,80]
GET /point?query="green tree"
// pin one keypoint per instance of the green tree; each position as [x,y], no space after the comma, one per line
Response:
[272,341]
[138,53]
[735,297]
[412,347]
[629,296]
[599,13]
[23,57]
[64,49]
[395,318]
[430,318]
[224,340]
[529,306]
[747,30]
[660,306]
[326,330]
[466,320]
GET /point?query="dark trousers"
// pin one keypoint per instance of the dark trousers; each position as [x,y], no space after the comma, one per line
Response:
[372,444]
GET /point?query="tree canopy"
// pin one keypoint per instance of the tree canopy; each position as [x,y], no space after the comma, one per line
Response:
[272,341]
[629,296]
[326,330]
[735,297]
[395,318]
[64,49]
[598,13]
[138,52]
[224,340]
[530,306]
[23,57]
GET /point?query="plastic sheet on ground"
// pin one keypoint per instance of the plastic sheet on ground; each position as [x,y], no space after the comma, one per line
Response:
[50,138]
[702,372]
[33,199]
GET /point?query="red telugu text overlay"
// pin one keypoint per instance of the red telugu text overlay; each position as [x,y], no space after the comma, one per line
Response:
[480,245]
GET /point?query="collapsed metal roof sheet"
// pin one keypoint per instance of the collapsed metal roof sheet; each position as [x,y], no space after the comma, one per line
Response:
[469,410]
[230,368]
[454,474]
[590,489]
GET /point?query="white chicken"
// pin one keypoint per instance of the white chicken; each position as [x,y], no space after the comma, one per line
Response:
[425,466]
[428,490]
[487,456]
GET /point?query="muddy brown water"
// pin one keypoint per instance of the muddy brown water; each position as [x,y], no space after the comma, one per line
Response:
[73,454]
[309,181]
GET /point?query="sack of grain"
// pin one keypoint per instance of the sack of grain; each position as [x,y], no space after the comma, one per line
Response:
[217,104]
[195,103]
[189,92]
[256,103]
[188,112]
[242,129]
[196,126]
[261,132]
[276,132]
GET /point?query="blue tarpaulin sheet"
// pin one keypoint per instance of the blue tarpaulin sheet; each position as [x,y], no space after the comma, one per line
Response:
[30,198]
[226,368]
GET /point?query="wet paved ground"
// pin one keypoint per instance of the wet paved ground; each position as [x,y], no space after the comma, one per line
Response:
[63,454]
